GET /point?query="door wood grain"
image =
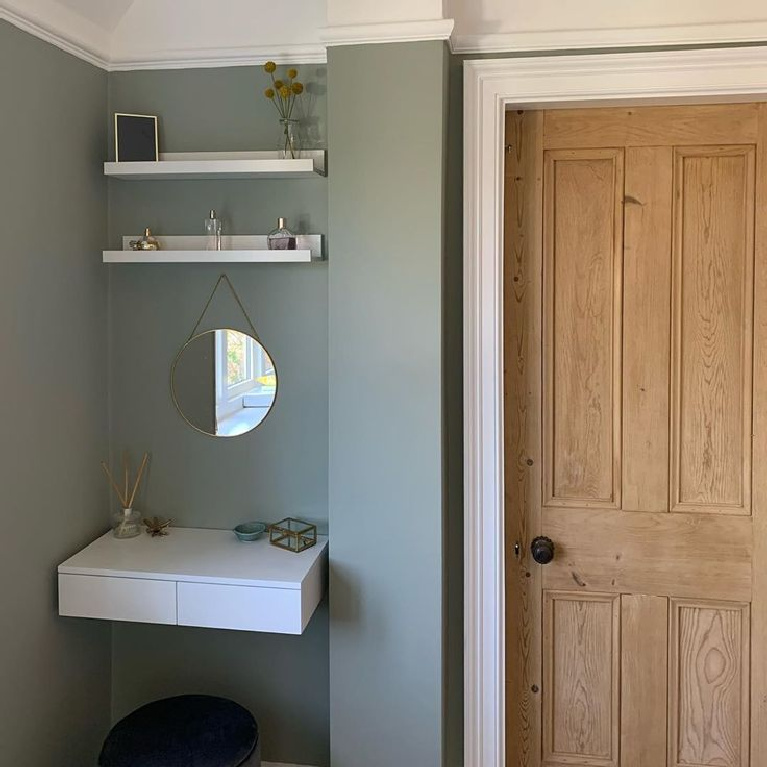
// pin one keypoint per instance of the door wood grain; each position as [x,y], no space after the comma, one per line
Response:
[758,679]
[582,262]
[651,126]
[522,363]
[712,338]
[635,351]
[709,691]
[649,553]
[644,680]
[646,315]
[582,668]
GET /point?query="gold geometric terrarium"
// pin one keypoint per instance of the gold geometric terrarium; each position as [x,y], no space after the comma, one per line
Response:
[293,535]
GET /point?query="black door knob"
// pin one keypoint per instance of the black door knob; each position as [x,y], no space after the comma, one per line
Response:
[542,549]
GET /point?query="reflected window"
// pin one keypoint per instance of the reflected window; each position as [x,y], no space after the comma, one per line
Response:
[238,353]
[246,383]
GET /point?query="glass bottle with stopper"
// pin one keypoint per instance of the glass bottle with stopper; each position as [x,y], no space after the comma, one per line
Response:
[213,232]
[281,238]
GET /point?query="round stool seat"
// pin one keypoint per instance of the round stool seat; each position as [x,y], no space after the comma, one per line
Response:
[187,731]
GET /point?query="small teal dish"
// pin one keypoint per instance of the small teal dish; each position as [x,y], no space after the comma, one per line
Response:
[249,531]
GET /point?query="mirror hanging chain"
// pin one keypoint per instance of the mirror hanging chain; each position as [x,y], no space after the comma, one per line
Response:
[224,278]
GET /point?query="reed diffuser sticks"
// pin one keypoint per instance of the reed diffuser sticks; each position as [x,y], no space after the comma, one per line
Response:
[126,496]
[127,522]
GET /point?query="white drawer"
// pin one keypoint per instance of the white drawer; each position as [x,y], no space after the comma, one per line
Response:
[243,608]
[118,599]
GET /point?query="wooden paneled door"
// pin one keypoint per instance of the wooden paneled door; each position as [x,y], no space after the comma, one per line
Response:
[635,416]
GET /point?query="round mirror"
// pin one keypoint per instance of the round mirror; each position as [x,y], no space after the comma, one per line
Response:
[223,383]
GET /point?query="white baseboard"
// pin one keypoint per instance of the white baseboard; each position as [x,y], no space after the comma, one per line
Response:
[281,764]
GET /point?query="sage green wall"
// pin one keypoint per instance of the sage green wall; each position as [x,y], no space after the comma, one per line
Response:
[387,119]
[279,470]
[54,672]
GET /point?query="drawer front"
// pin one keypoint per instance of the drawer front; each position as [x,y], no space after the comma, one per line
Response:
[242,608]
[117,599]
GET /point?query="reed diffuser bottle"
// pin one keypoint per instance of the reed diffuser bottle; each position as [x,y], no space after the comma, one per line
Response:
[126,523]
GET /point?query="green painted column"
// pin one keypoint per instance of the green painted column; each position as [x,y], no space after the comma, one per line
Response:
[387,123]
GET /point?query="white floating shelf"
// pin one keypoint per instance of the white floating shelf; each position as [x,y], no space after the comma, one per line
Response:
[194,577]
[196,166]
[236,249]
[207,257]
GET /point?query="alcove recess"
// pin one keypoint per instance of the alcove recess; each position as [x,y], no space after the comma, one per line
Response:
[206,166]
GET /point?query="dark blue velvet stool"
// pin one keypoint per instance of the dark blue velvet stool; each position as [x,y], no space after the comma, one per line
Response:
[188,731]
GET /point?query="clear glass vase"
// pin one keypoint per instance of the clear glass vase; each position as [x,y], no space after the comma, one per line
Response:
[126,523]
[289,148]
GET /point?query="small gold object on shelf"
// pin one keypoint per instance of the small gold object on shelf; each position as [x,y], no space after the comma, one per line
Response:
[293,535]
[156,526]
[147,242]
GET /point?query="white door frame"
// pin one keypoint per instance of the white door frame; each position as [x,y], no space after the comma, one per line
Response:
[490,87]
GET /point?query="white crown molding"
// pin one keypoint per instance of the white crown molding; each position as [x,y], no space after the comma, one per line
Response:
[490,87]
[220,57]
[389,32]
[189,58]
[65,42]
[173,59]
[550,40]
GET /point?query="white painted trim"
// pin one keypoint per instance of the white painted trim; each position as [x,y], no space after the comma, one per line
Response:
[392,32]
[64,42]
[281,764]
[550,40]
[717,75]
[190,58]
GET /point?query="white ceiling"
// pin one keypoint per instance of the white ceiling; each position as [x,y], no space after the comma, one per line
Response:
[135,34]
[104,13]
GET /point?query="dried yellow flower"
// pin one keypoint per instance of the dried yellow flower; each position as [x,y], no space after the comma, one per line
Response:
[270,67]
[285,91]
[279,85]
[292,73]
[297,88]
[269,93]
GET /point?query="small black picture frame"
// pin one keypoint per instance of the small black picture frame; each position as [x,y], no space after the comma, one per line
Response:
[136,138]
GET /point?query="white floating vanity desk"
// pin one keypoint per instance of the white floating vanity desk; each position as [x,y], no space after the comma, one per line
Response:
[195,577]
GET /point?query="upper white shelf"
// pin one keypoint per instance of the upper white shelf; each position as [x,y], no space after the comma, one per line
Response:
[196,166]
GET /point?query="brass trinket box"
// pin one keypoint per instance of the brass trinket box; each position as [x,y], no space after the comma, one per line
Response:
[293,535]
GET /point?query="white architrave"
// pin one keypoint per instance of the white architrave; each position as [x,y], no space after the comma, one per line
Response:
[566,38]
[708,76]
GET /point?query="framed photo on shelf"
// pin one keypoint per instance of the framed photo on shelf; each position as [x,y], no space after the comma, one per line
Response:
[136,138]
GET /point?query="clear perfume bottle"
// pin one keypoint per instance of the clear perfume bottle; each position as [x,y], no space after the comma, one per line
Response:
[281,238]
[213,232]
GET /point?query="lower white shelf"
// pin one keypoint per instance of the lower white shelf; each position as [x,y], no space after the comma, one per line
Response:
[194,577]
[235,249]
[208,257]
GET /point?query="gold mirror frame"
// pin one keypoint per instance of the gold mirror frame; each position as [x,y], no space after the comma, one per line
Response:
[194,335]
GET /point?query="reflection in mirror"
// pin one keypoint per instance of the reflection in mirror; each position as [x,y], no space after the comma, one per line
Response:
[223,383]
